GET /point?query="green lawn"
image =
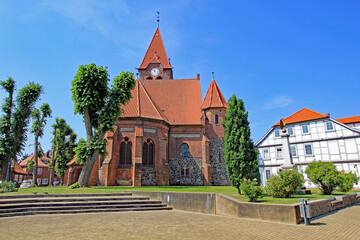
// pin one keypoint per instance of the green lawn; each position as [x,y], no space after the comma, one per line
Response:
[227,190]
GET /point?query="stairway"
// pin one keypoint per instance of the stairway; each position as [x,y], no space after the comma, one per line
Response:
[21,205]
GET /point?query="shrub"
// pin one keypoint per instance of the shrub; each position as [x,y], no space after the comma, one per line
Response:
[324,175]
[285,184]
[248,188]
[7,187]
[75,185]
[347,181]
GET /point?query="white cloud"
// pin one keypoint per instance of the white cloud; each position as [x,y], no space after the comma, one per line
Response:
[278,102]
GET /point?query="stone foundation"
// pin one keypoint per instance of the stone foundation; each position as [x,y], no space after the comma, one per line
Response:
[148,176]
[217,160]
[196,176]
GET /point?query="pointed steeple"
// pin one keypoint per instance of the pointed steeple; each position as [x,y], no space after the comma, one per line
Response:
[156,52]
[213,97]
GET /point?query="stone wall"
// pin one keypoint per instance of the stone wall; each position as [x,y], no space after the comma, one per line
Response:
[196,176]
[148,176]
[216,203]
[217,160]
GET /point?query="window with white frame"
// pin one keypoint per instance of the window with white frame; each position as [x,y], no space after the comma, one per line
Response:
[277,133]
[38,181]
[305,129]
[266,154]
[308,150]
[278,152]
[290,131]
[45,181]
[329,126]
[267,174]
[293,152]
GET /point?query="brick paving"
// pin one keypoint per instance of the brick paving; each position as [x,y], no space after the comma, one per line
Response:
[344,224]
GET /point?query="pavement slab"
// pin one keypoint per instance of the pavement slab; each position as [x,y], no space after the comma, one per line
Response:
[342,224]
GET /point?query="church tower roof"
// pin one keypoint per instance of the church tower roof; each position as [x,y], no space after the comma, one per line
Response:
[213,97]
[156,52]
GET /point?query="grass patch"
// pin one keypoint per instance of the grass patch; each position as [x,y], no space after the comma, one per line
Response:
[227,190]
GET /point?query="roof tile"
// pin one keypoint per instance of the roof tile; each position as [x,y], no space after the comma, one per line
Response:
[213,97]
[303,115]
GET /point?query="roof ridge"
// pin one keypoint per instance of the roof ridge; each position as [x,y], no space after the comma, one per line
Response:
[151,101]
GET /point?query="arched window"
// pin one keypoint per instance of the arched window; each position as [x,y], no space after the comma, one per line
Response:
[159,77]
[184,151]
[126,153]
[216,119]
[149,78]
[148,153]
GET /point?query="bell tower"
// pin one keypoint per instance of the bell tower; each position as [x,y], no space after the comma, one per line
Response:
[155,65]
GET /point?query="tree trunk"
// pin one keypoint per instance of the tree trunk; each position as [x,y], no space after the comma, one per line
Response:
[34,181]
[239,191]
[4,169]
[52,163]
[87,168]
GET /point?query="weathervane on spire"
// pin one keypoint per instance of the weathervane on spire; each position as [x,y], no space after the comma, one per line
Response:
[212,74]
[158,18]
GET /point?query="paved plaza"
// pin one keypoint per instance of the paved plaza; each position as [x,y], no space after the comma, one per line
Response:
[343,224]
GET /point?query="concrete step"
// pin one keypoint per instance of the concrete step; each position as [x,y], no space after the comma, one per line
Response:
[42,195]
[71,199]
[13,214]
[62,208]
[90,203]
[21,205]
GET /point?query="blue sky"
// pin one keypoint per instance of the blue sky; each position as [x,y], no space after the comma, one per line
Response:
[278,56]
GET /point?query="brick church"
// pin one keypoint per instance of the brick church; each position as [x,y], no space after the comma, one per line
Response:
[167,135]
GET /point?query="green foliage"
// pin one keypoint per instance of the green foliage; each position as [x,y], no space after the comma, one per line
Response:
[7,187]
[39,119]
[324,175]
[64,144]
[347,181]
[100,107]
[75,185]
[285,184]
[15,120]
[240,153]
[248,188]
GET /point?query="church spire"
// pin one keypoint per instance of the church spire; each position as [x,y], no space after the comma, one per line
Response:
[213,97]
[156,53]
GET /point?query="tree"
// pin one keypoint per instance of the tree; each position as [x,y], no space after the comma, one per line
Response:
[240,153]
[63,148]
[39,121]
[327,178]
[285,184]
[14,122]
[100,107]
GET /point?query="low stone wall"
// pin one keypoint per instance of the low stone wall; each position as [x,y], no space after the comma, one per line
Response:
[323,206]
[215,203]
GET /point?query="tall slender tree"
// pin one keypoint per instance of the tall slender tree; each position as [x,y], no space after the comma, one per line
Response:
[66,154]
[100,107]
[240,153]
[14,122]
[62,135]
[39,121]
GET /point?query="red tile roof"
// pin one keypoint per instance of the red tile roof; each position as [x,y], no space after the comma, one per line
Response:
[31,157]
[346,120]
[179,100]
[304,114]
[72,162]
[213,97]
[141,105]
[19,170]
[156,52]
